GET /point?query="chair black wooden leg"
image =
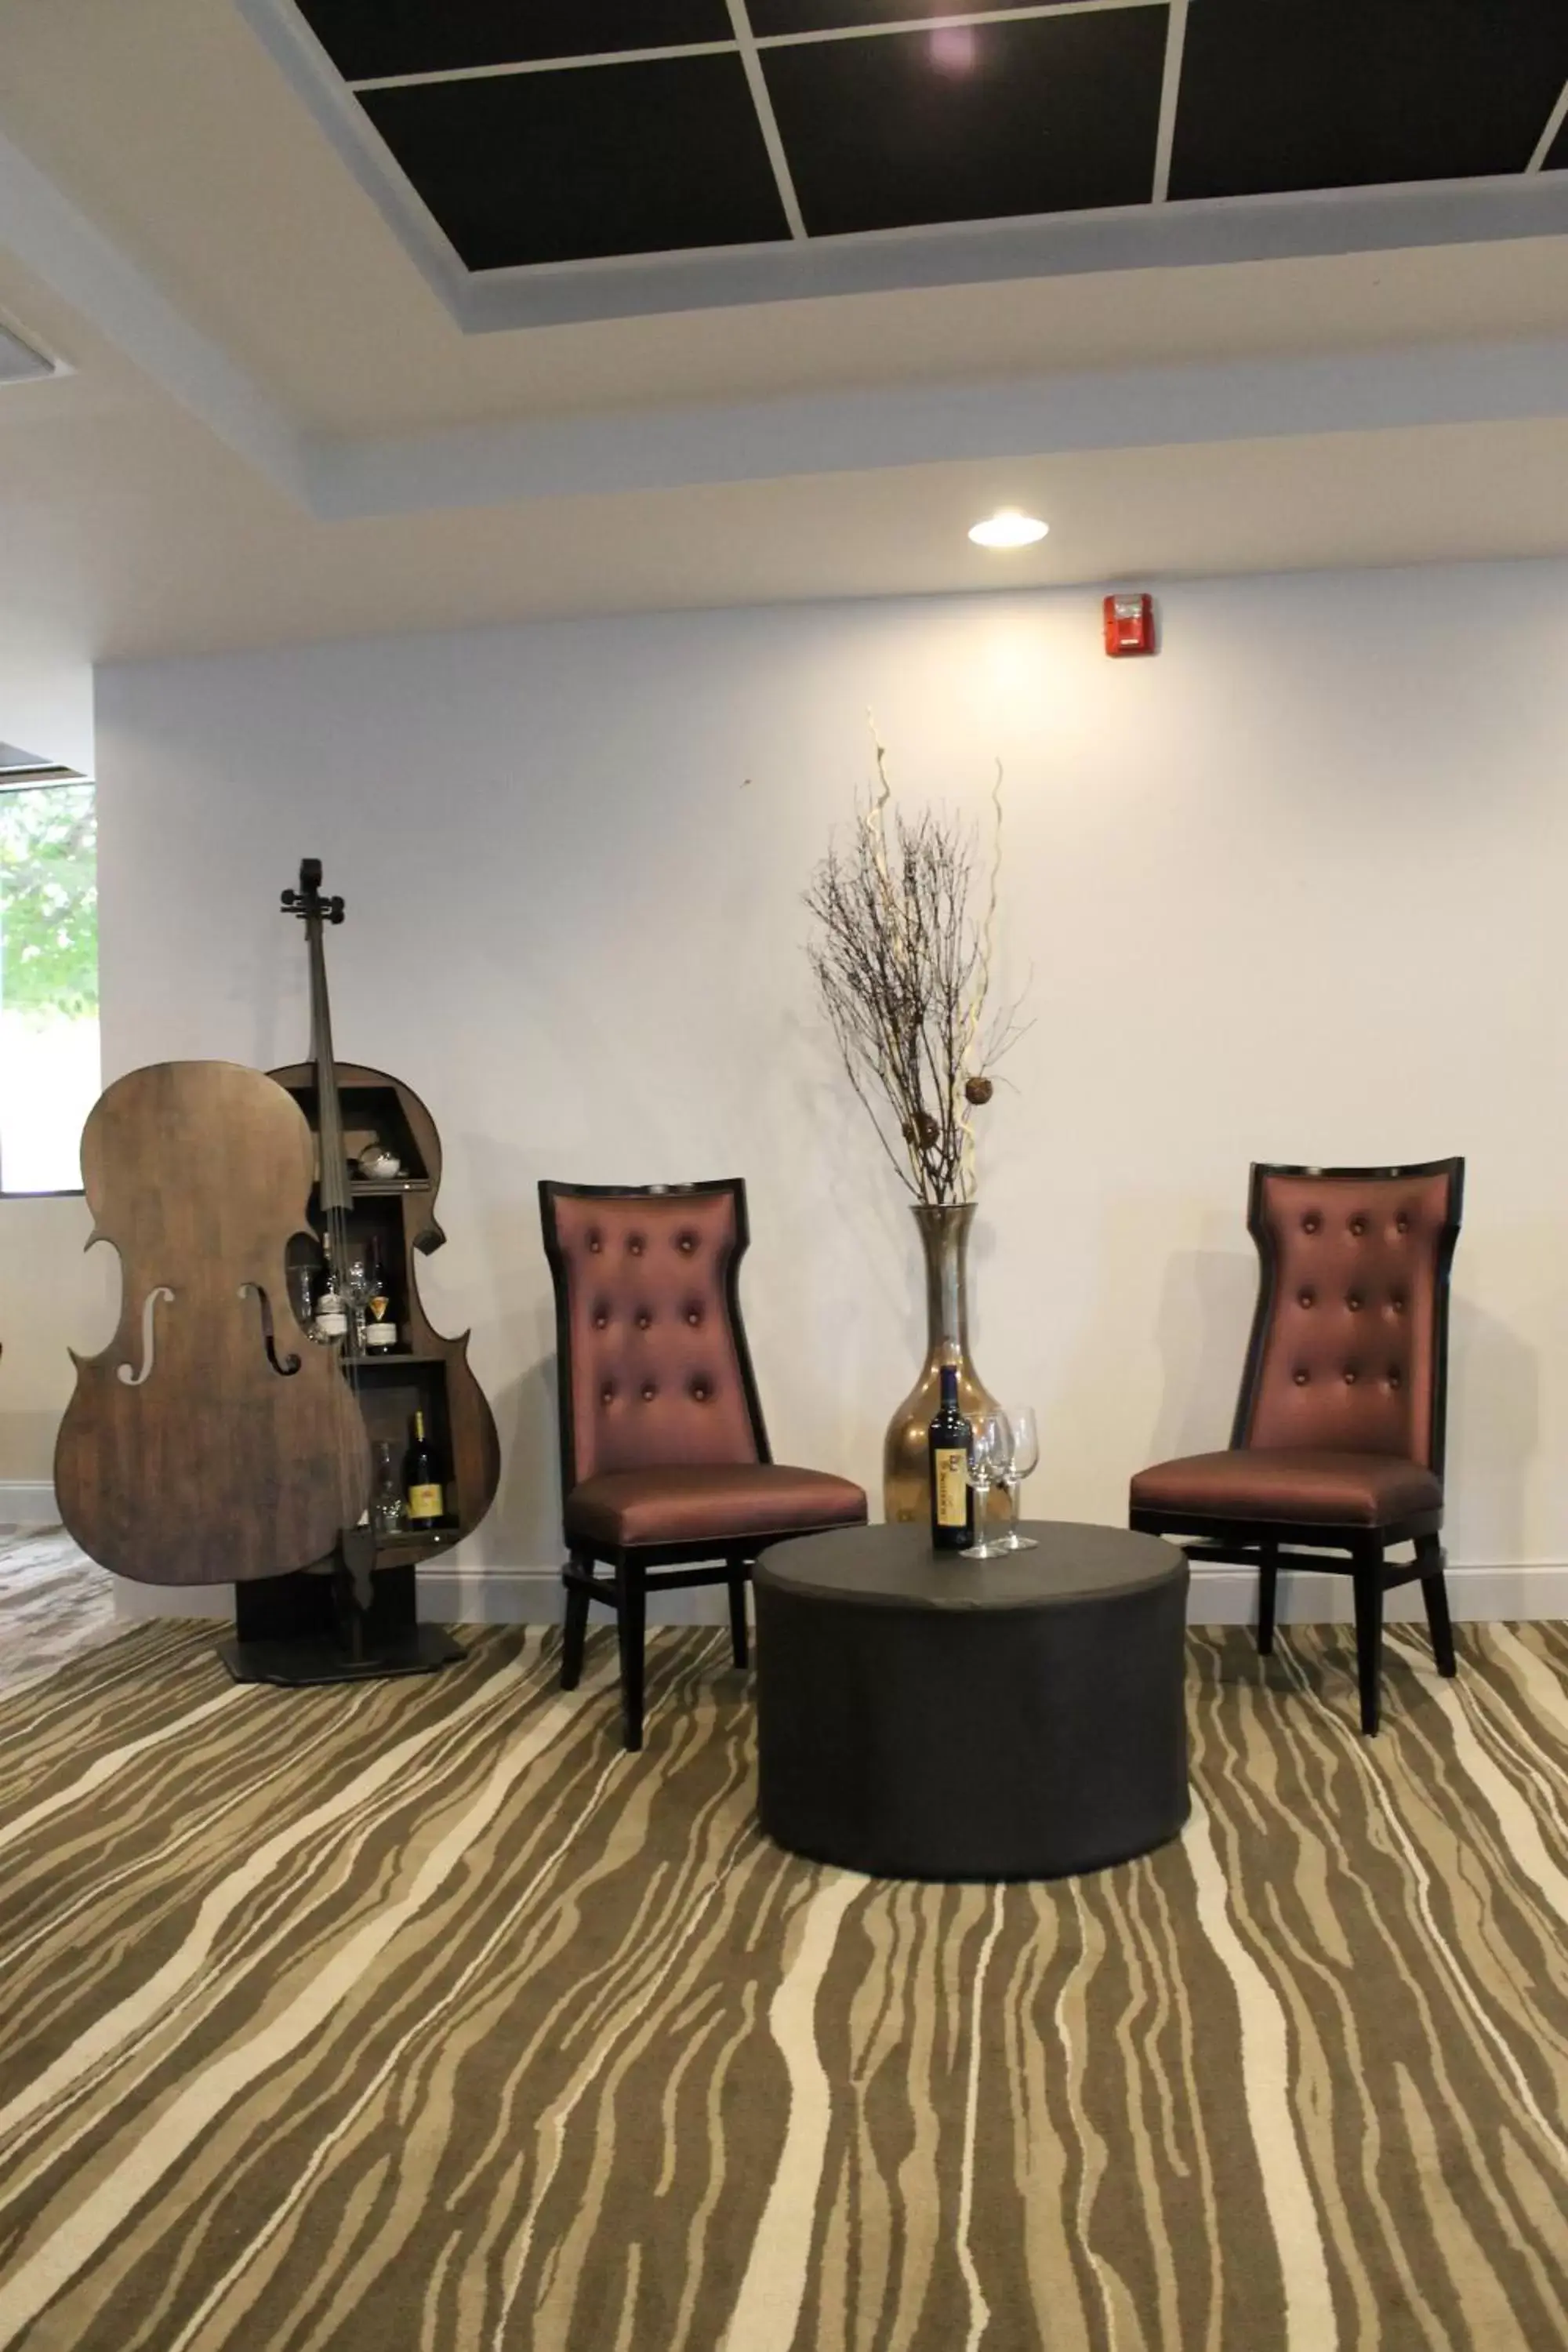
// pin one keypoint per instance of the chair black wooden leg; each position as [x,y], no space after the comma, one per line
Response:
[1368,1582]
[737,1612]
[1267,1584]
[1435,1592]
[631,1614]
[574,1631]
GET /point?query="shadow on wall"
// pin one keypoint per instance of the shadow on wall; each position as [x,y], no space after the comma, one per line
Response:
[1494,1421]
[1201,1328]
[1154,1368]
[523,1529]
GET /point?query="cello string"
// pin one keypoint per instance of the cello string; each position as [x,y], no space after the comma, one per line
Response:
[351,1427]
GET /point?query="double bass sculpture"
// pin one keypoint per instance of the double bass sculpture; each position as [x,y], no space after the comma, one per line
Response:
[218,1440]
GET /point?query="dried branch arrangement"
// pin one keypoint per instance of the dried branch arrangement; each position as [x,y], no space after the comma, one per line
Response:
[902,964]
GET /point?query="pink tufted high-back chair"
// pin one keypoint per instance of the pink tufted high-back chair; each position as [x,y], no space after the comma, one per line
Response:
[1338,1442]
[666,1475]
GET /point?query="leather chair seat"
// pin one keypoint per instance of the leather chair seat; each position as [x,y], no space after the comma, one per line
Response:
[1291,1483]
[717,1503]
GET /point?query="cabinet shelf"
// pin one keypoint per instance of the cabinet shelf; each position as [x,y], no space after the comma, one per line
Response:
[390,1552]
[369,1187]
[390,1358]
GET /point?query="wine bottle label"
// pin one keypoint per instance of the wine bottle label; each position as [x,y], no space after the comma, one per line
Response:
[378,1331]
[331,1321]
[425,1502]
[950,1469]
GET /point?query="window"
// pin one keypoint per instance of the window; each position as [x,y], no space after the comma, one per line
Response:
[48,983]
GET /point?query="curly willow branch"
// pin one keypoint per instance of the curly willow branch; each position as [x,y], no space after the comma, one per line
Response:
[903,971]
[983,981]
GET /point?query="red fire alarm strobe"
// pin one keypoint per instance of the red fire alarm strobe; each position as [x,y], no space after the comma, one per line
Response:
[1129,624]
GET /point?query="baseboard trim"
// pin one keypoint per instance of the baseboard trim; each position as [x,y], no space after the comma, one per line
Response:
[454,1595]
[1219,1596]
[28,1503]
[1228,1596]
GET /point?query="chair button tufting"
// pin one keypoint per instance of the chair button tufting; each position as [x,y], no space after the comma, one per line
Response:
[688,1242]
[699,1390]
[645,1320]
[1395,1379]
[635,1246]
[1349,1376]
[1310,1224]
[1352,1300]
[649,1392]
[607,1394]
[1358,1226]
[1300,1378]
[601,1321]
[1397,1302]
[595,1244]
[1402,1224]
[1308,1299]
[694,1316]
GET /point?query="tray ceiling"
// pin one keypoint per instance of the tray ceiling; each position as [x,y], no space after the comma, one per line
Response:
[560,132]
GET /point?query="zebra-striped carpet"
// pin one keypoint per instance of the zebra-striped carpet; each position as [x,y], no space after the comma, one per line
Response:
[419,2018]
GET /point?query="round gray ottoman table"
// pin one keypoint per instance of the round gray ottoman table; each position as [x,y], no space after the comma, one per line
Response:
[924,1716]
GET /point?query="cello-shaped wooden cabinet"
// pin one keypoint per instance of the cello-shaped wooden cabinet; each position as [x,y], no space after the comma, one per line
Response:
[209,1442]
[295,1628]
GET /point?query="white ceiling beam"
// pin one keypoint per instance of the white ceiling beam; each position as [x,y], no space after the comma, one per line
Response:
[854,432]
[60,246]
[1548,139]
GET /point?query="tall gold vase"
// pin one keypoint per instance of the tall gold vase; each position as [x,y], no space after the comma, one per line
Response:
[906,1473]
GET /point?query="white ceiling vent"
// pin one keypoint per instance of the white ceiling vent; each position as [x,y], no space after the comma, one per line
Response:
[19,363]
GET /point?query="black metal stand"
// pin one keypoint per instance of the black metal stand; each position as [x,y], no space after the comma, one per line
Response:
[290,1629]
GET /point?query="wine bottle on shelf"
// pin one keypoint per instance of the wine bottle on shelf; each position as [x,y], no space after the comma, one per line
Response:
[951,1495]
[380,1330]
[331,1307]
[426,1501]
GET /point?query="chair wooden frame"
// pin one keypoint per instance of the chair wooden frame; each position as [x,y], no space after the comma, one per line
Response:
[1272,1545]
[635,1570]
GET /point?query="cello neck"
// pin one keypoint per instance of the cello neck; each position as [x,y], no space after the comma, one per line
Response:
[314,911]
[335,1155]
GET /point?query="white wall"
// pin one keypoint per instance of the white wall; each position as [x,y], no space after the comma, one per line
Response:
[52,1291]
[1293,889]
[45,694]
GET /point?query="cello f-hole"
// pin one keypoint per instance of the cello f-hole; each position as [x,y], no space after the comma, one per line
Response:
[285,1365]
[133,1379]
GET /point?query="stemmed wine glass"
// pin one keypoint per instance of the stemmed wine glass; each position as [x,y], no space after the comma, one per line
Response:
[990,1450]
[1023,1456]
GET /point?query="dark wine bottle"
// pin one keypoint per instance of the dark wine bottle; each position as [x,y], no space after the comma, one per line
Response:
[427,1502]
[380,1330]
[951,1495]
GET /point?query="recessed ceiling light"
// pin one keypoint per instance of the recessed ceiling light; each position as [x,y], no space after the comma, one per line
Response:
[1008,528]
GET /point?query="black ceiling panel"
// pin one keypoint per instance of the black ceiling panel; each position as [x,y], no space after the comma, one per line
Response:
[655,157]
[366,38]
[771,16]
[1281,94]
[972,123]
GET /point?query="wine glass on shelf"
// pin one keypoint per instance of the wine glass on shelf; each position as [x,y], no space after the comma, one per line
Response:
[990,1449]
[354,1276]
[1024,1455]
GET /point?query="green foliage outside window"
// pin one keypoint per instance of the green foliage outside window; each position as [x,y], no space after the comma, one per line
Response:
[49,900]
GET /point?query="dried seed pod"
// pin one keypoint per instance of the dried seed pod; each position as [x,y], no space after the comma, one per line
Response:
[978,1090]
[921,1129]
